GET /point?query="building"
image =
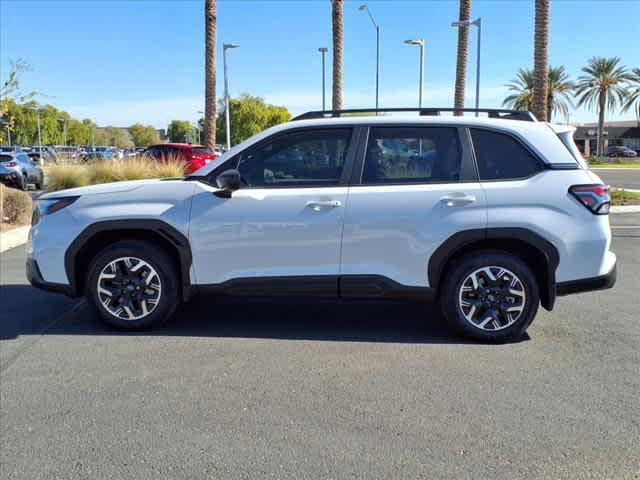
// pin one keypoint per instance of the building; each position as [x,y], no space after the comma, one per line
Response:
[625,133]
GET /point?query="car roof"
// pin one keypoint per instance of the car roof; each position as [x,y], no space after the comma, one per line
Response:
[539,136]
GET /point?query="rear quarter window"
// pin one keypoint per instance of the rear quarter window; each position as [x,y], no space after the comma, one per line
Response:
[502,157]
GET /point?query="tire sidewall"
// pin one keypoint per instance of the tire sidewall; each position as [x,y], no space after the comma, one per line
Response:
[155,257]
[467,264]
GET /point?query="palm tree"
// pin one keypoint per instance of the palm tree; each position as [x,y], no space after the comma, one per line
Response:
[210,17]
[541,60]
[634,94]
[602,87]
[337,18]
[461,59]
[558,94]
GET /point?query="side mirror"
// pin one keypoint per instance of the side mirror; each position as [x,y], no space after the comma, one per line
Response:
[227,181]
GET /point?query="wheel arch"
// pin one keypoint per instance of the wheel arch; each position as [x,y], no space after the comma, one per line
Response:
[540,254]
[99,235]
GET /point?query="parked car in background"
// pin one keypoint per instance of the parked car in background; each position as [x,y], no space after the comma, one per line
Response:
[21,163]
[620,152]
[97,156]
[10,177]
[11,148]
[194,156]
[42,157]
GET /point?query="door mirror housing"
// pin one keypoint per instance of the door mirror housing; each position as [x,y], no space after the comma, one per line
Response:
[227,182]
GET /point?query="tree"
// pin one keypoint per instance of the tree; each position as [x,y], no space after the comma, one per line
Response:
[250,115]
[601,88]
[634,93]
[11,96]
[210,18]
[558,95]
[461,58]
[337,21]
[143,135]
[180,131]
[541,60]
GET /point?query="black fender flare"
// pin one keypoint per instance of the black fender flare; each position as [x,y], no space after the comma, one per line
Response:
[459,240]
[159,227]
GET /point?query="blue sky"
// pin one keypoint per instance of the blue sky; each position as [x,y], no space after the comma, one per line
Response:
[122,61]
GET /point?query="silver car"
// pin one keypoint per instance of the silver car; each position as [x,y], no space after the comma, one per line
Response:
[29,171]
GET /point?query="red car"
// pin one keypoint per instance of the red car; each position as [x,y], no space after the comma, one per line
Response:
[195,156]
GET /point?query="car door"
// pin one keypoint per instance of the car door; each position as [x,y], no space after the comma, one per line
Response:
[415,187]
[285,221]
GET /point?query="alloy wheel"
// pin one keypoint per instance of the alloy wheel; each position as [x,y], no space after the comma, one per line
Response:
[492,298]
[129,288]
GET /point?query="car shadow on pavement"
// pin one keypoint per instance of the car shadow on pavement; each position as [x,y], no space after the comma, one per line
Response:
[288,318]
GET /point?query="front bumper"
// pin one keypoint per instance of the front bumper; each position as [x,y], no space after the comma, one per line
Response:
[601,282]
[35,279]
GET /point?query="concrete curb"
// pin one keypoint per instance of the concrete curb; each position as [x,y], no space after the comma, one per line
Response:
[13,238]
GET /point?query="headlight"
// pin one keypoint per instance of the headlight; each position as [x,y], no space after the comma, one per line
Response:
[49,206]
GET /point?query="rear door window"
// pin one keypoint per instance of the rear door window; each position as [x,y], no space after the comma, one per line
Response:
[412,155]
[502,157]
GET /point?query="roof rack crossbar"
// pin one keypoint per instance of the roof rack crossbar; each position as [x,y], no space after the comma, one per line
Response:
[523,115]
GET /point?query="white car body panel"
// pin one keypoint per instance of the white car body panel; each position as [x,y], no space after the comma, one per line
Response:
[266,232]
[392,230]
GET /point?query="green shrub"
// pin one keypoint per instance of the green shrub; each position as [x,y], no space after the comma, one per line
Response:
[15,206]
[60,177]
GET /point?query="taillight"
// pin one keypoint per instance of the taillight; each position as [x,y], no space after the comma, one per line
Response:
[594,197]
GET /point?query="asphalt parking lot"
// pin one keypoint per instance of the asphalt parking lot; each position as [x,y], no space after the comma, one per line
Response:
[241,388]
[622,178]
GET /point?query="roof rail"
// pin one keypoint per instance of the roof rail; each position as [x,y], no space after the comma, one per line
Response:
[523,115]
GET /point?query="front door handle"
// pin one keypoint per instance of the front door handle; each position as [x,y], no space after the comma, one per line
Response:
[457,199]
[318,205]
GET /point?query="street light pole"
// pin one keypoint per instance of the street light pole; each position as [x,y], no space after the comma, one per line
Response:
[323,51]
[198,125]
[37,109]
[362,8]
[420,43]
[478,23]
[225,47]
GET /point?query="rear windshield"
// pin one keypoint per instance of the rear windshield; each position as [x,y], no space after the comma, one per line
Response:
[6,158]
[202,150]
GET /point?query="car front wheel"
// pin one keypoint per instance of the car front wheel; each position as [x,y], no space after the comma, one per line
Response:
[133,285]
[490,296]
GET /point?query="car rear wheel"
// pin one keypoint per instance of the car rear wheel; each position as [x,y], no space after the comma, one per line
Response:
[490,296]
[133,285]
[23,182]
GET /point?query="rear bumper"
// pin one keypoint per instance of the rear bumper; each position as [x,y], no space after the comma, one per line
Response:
[35,279]
[601,282]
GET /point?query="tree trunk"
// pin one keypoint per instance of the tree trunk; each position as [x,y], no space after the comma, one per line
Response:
[541,60]
[337,17]
[461,60]
[210,17]
[601,108]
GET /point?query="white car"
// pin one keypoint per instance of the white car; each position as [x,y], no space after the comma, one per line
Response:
[491,216]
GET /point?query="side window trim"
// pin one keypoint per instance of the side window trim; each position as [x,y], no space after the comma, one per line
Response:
[468,169]
[346,169]
[542,165]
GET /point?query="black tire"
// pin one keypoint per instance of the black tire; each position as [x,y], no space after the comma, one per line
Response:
[450,296]
[40,183]
[163,265]
[23,182]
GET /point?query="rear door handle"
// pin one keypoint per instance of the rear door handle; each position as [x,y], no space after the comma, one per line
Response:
[318,205]
[457,199]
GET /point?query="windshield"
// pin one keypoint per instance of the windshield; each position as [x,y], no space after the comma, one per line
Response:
[202,150]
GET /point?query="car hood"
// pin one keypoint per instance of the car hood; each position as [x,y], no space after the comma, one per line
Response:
[103,188]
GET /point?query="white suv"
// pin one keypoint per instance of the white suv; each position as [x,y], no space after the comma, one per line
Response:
[490,215]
